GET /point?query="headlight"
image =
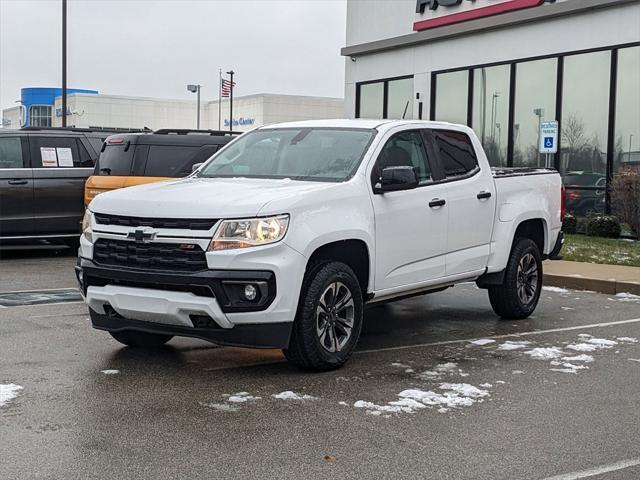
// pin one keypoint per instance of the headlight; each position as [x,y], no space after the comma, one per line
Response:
[250,232]
[86,225]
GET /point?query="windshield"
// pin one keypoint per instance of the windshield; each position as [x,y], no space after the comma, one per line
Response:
[328,154]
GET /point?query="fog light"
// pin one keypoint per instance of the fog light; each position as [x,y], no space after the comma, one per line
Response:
[250,292]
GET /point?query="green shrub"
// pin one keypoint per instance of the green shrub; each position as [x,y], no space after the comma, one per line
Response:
[606,226]
[625,197]
[569,224]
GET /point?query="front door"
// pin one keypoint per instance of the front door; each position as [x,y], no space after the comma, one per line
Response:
[16,188]
[411,225]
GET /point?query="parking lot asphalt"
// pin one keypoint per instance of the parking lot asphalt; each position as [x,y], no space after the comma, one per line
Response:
[498,408]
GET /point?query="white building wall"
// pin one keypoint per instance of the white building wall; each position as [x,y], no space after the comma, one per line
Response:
[11,117]
[593,29]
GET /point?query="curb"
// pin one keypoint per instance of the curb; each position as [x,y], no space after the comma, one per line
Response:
[578,282]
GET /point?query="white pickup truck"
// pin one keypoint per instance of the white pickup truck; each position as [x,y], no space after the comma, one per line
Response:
[282,237]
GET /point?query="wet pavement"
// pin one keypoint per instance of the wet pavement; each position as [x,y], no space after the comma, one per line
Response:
[501,409]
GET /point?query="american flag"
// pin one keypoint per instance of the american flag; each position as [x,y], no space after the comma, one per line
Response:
[225,91]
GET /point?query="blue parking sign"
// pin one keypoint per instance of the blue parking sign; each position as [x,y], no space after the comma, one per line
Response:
[548,142]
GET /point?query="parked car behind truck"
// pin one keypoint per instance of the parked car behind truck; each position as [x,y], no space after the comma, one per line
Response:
[283,236]
[135,159]
[42,175]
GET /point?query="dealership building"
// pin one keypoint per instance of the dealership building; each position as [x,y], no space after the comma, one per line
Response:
[42,107]
[503,67]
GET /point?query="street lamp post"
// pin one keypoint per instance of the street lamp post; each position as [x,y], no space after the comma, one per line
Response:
[196,89]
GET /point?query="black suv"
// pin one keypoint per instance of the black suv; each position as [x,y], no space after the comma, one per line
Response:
[42,176]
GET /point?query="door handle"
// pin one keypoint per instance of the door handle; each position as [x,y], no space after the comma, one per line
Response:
[437,202]
[18,182]
[484,194]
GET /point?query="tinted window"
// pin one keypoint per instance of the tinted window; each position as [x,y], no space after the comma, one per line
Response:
[299,153]
[405,149]
[169,161]
[115,160]
[11,152]
[455,152]
[57,152]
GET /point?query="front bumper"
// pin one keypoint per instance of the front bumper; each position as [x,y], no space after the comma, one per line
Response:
[200,304]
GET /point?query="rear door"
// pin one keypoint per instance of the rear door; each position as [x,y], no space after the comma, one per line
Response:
[471,199]
[16,187]
[61,166]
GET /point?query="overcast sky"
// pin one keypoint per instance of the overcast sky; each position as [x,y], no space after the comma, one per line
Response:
[154,48]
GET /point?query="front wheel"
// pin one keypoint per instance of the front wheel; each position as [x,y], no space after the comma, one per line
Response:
[329,319]
[518,296]
[132,338]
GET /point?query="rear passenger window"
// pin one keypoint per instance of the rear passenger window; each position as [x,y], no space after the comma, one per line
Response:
[169,161]
[405,149]
[58,152]
[455,152]
[11,152]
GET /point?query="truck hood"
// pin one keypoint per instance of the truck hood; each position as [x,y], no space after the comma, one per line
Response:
[202,197]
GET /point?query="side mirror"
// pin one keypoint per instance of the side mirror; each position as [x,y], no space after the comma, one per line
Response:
[196,166]
[394,179]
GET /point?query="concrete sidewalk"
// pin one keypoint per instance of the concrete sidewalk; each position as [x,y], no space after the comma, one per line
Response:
[610,279]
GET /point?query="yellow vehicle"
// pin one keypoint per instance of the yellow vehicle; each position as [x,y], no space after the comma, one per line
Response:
[135,158]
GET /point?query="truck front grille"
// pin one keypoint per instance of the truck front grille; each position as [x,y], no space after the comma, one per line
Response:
[176,223]
[150,256]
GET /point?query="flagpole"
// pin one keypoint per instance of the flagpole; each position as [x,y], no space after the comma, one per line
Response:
[230,73]
[219,96]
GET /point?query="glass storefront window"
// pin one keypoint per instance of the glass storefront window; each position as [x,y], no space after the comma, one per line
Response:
[627,136]
[452,92]
[535,101]
[40,116]
[371,100]
[400,99]
[491,111]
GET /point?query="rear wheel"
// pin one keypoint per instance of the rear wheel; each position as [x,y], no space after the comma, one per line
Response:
[329,319]
[518,296]
[141,339]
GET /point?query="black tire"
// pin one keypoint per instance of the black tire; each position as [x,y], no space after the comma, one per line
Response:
[508,300]
[136,339]
[318,326]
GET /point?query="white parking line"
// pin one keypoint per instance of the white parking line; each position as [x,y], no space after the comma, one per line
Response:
[508,335]
[592,472]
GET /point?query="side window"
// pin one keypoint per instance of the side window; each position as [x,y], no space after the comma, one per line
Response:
[168,161]
[405,149]
[84,160]
[455,152]
[56,152]
[11,152]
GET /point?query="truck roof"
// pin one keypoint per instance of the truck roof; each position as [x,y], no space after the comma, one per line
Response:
[359,123]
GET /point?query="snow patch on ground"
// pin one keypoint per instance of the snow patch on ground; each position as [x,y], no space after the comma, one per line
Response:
[242,397]
[440,370]
[221,407]
[410,401]
[555,289]
[635,360]
[628,297]
[289,395]
[579,358]
[544,353]
[568,368]
[8,392]
[513,345]
[582,347]
[602,342]
[400,365]
[110,372]
[627,339]
[482,341]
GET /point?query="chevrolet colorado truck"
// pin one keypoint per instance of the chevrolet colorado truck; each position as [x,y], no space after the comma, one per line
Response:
[283,236]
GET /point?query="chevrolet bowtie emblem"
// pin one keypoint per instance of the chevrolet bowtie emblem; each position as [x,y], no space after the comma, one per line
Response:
[140,235]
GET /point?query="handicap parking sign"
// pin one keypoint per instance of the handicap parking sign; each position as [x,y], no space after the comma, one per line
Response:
[548,136]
